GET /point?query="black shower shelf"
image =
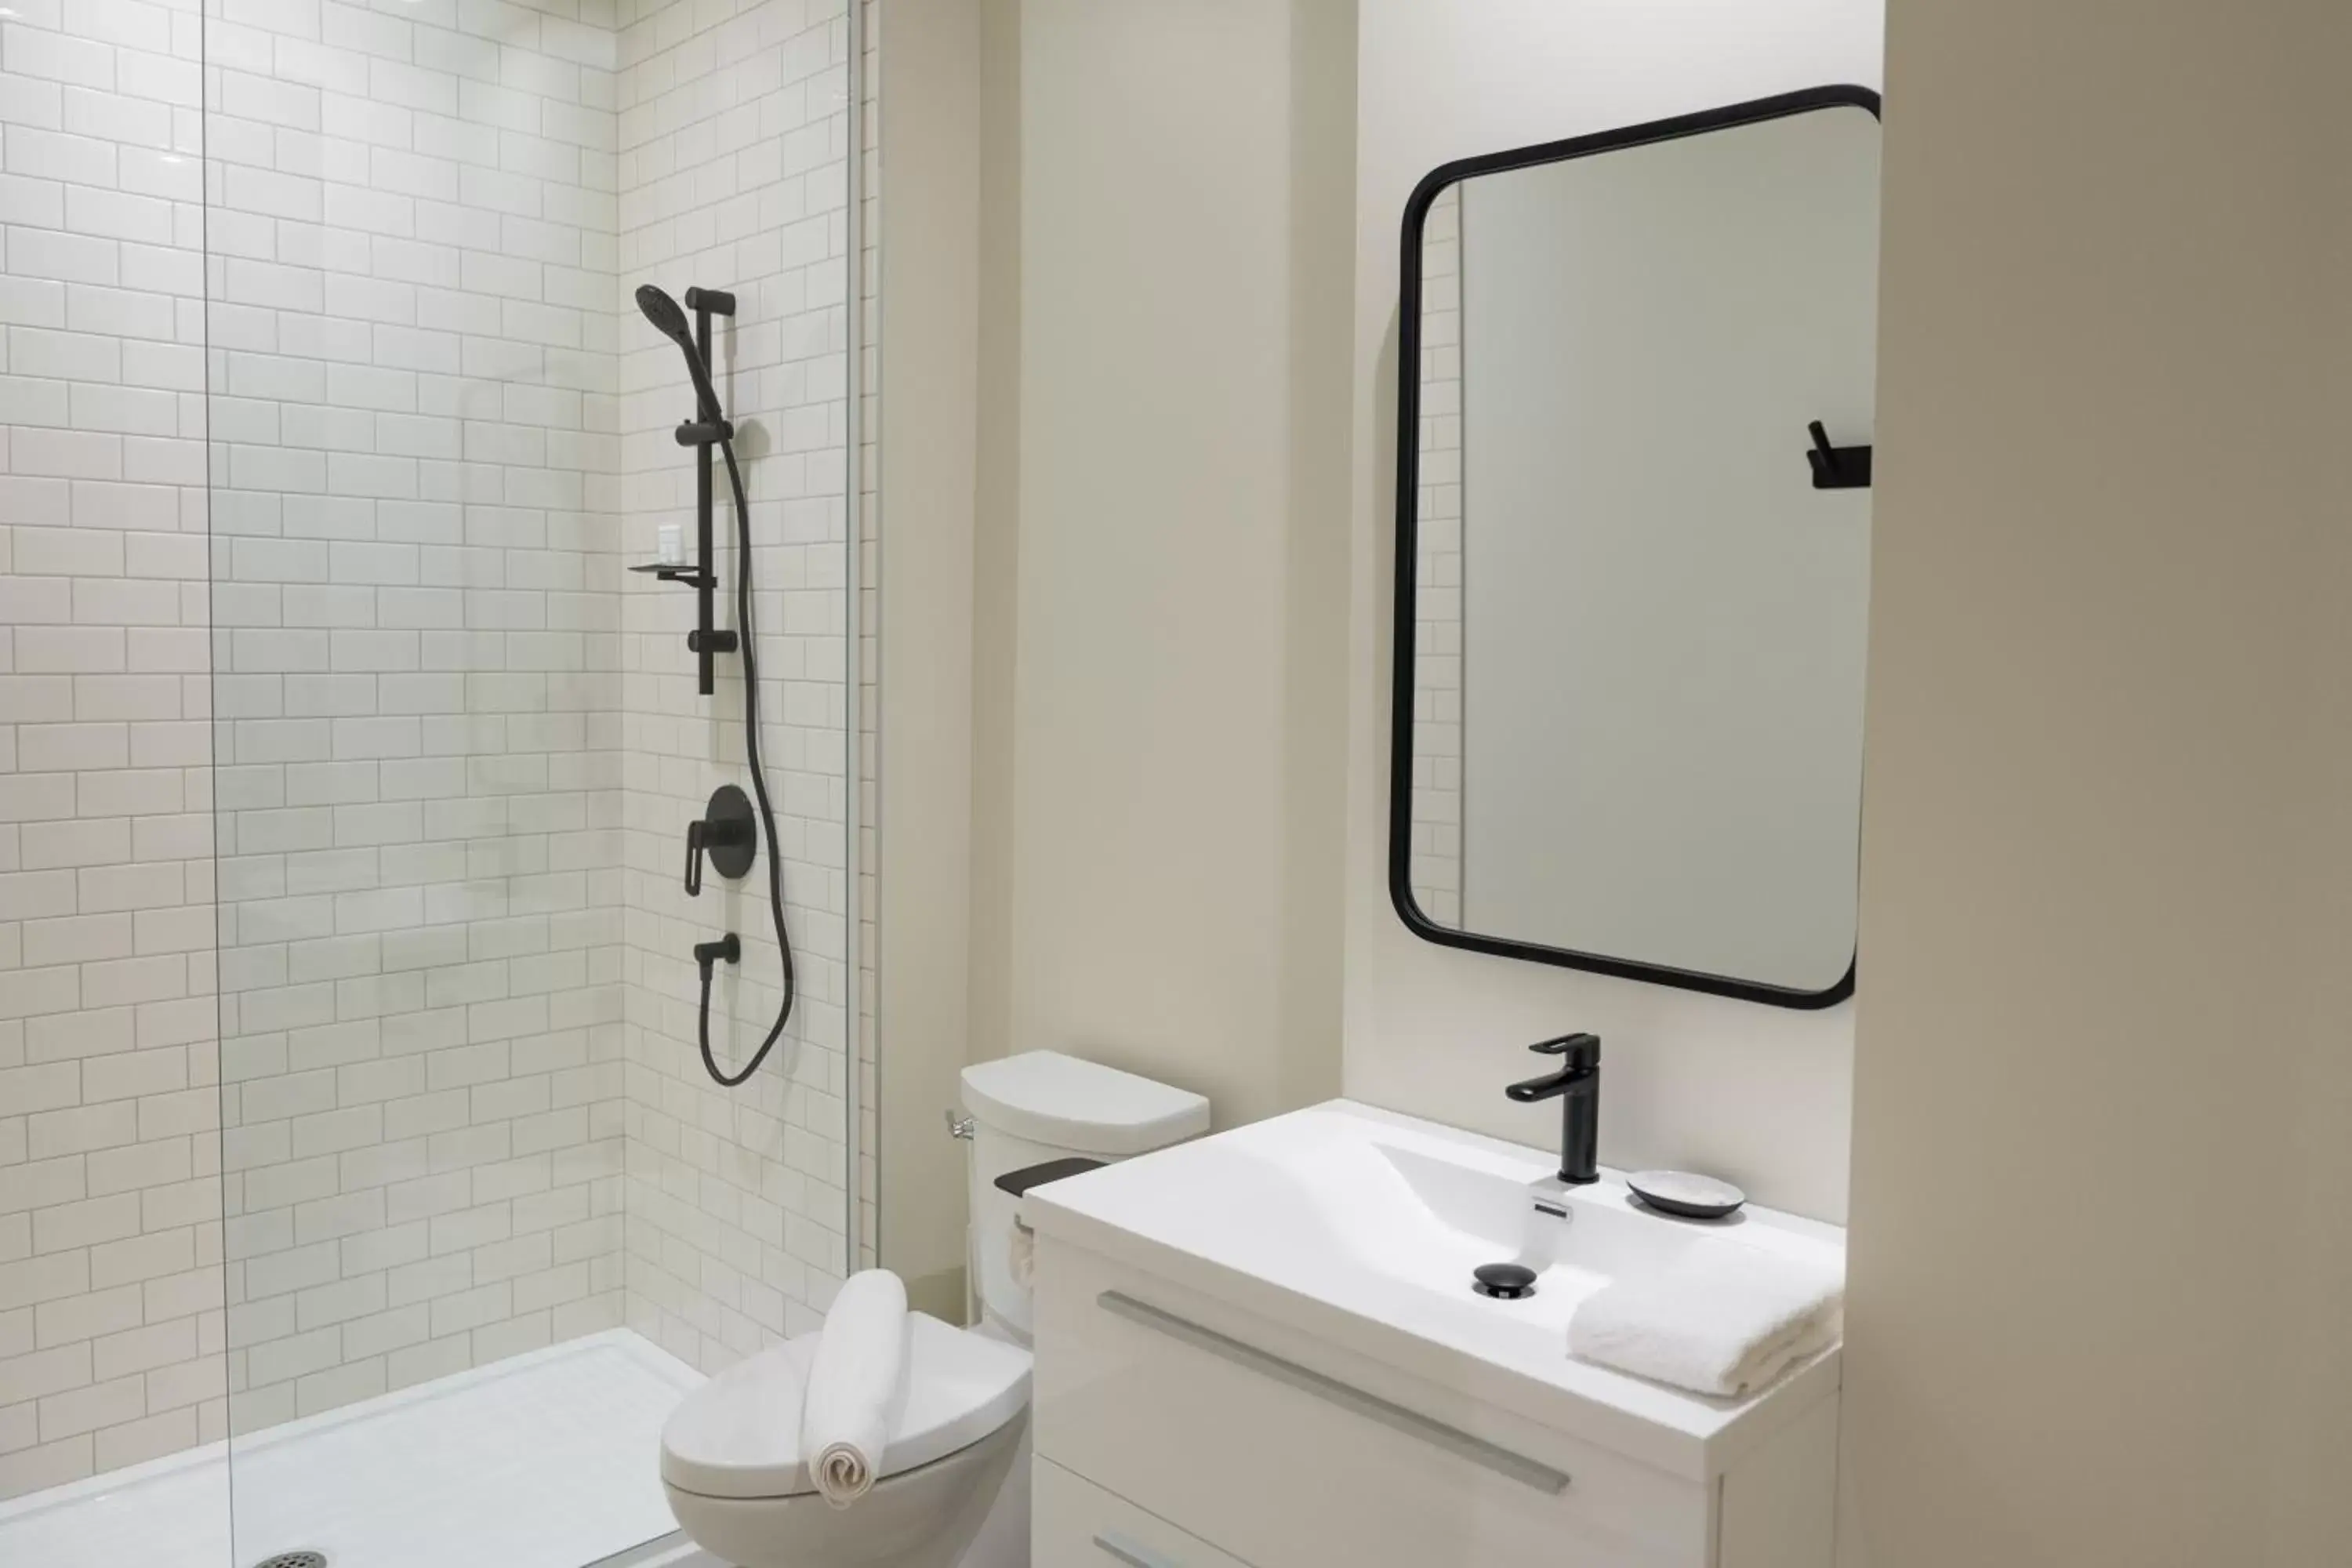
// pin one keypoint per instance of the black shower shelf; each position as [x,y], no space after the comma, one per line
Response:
[667,573]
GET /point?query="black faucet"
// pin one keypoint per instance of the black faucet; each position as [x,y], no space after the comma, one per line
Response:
[1578,1086]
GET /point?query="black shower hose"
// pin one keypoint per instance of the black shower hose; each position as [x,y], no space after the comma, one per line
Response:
[748,643]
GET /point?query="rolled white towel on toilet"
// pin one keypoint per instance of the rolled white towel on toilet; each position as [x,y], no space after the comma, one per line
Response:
[1723,1321]
[853,1384]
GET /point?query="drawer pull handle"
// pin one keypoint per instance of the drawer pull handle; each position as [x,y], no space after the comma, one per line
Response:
[1411,1422]
[1133,1555]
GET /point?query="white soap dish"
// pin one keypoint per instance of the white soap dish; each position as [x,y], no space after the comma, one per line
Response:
[1686,1195]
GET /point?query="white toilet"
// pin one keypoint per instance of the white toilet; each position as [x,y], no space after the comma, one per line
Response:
[953,1491]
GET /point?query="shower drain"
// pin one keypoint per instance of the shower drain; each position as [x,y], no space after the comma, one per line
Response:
[303,1559]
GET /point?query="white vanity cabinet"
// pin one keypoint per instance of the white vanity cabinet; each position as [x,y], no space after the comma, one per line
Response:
[1079,1525]
[1191,1414]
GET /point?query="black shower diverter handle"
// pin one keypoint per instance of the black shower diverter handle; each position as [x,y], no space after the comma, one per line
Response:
[727,834]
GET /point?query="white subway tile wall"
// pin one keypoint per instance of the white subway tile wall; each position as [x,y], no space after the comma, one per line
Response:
[112,1332]
[1436,865]
[456,747]
[734,130]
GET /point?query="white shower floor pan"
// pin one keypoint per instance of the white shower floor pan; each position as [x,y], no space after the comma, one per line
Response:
[548,1460]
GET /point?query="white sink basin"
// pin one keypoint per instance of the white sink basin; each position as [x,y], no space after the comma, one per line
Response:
[1372,1222]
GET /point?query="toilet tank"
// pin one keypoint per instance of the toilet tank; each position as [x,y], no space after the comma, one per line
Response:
[1041,1106]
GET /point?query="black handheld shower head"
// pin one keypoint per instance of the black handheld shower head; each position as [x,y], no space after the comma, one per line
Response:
[665,315]
[670,321]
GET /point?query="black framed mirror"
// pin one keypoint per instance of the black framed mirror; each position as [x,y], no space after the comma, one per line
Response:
[1634,422]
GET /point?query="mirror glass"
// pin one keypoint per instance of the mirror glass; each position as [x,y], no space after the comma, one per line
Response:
[1631,620]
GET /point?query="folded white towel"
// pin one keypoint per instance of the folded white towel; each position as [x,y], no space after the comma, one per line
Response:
[1723,1320]
[860,1358]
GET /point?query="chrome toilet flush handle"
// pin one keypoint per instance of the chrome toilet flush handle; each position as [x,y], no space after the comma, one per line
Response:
[959,1126]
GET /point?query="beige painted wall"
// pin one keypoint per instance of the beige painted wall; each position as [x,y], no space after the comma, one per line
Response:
[1173,894]
[930,384]
[1115,460]
[2101,1272]
[1759,1094]
[996,558]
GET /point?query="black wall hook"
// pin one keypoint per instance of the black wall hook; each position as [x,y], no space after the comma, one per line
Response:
[1837,467]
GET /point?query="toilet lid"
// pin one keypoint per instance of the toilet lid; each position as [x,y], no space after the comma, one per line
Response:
[739,1435]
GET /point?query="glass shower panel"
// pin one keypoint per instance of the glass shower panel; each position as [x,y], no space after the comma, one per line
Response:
[357,1156]
[113,1371]
[411,386]
[485,1215]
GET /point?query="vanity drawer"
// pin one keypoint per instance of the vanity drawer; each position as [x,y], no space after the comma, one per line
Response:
[1292,1453]
[1079,1525]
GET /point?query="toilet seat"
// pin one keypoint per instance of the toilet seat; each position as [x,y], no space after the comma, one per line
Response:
[739,1435]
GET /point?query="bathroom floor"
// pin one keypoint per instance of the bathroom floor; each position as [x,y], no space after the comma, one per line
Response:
[543,1460]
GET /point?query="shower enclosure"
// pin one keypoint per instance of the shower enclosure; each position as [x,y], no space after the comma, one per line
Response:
[363,1190]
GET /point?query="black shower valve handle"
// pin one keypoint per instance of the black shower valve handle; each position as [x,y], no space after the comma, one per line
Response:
[727,833]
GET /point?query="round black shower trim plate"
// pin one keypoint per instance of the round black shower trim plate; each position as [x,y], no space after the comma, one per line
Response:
[731,853]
